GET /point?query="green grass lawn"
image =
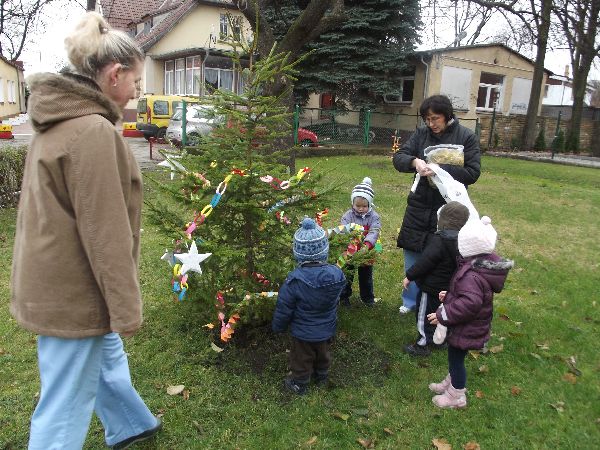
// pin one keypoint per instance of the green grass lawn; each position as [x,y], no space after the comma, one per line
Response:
[538,388]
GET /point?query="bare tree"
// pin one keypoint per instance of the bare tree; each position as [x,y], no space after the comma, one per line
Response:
[18,18]
[580,23]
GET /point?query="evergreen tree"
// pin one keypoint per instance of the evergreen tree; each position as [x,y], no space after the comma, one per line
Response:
[360,59]
[540,141]
[240,203]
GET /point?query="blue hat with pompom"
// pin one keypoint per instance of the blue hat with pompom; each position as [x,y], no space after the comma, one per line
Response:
[310,242]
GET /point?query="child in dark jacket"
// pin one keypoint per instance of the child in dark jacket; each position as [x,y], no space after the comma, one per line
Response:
[468,306]
[432,273]
[307,302]
[362,213]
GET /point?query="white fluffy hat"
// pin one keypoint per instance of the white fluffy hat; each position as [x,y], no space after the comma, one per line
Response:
[477,237]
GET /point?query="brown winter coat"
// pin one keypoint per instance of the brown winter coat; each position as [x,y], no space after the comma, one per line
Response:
[76,251]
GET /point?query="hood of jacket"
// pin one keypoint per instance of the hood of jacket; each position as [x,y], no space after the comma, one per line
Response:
[492,268]
[324,277]
[58,97]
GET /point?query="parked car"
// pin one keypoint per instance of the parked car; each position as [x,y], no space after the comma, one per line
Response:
[199,122]
[155,111]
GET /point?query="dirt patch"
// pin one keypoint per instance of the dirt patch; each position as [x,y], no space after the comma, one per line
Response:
[265,354]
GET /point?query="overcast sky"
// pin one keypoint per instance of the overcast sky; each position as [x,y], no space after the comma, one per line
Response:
[46,51]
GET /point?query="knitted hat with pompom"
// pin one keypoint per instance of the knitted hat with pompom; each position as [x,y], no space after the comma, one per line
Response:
[364,190]
[310,242]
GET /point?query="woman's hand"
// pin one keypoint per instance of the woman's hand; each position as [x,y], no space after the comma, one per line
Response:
[422,168]
[405,283]
[432,318]
[442,296]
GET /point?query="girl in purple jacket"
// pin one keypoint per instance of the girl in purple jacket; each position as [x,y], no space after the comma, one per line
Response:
[467,306]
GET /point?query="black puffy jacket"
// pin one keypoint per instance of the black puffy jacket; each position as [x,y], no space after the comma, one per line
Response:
[434,269]
[420,218]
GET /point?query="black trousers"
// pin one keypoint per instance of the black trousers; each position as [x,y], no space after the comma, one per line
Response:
[308,358]
[427,303]
[365,284]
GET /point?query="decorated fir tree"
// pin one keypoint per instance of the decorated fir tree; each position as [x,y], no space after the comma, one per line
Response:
[235,205]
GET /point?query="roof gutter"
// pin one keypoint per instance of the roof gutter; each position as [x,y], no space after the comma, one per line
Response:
[426,83]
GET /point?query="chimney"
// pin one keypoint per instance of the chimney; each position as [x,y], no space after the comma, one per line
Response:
[567,70]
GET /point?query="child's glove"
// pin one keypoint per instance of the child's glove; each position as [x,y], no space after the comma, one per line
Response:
[439,336]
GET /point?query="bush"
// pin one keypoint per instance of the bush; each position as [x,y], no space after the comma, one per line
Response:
[540,141]
[12,164]
[558,144]
[496,140]
[515,143]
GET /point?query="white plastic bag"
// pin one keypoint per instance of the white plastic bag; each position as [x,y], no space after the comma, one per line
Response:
[452,190]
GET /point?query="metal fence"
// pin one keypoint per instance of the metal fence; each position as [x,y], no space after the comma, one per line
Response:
[360,127]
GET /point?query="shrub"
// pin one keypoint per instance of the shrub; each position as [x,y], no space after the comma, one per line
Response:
[515,143]
[558,144]
[540,141]
[12,164]
[496,140]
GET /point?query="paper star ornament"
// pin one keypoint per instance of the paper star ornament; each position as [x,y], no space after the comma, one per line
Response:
[168,257]
[191,261]
[173,165]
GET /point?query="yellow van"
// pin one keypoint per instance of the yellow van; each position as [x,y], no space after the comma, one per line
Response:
[155,111]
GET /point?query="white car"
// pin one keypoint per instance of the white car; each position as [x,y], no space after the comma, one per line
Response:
[200,121]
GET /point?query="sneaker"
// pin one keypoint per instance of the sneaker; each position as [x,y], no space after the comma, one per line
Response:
[417,350]
[295,387]
[320,379]
[404,310]
[126,443]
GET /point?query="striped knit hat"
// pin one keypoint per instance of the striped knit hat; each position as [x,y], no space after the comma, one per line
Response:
[310,242]
[364,190]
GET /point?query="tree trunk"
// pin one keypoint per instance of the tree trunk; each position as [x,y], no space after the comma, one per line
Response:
[528,134]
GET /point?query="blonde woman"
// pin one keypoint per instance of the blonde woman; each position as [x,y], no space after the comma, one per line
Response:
[74,275]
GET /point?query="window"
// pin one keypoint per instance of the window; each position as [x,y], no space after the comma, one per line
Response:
[169,65]
[407,87]
[161,108]
[240,82]
[192,75]
[218,79]
[179,76]
[237,27]
[223,24]
[456,85]
[12,91]
[490,91]
[521,90]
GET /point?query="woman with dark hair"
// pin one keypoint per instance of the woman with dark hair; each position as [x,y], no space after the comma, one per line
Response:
[75,264]
[420,218]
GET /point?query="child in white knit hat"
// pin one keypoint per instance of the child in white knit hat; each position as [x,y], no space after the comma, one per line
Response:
[468,306]
[362,213]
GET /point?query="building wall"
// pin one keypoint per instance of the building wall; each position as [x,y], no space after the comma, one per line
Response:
[10,103]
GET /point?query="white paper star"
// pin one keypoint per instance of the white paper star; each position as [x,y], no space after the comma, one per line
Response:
[172,164]
[191,261]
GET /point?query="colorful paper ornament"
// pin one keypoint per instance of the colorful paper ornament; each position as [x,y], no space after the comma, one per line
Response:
[191,260]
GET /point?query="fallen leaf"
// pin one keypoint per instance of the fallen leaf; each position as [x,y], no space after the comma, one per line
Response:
[210,326]
[390,432]
[366,443]
[342,334]
[479,394]
[572,363]
[535,355]
[186,394]
[558,406]
[543,346]
[570,378]
[518,323]
[197,426]
[161,413]
[534,292]
[504,317]
[474,354]
[594,303]
[175,390]
[441,444]
[472,446]
[497,348]
[360,412]
[215,347]
[484,368]
[342,416]
[515,390]
[311,441]
[2,351]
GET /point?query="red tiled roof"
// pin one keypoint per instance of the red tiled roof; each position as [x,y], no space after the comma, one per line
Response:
[119,13]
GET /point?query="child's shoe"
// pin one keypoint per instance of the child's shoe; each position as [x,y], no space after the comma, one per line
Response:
[439,336]
[417,350]
[440,388]
[295,387]
[404,310]
[452,398]
[320,379]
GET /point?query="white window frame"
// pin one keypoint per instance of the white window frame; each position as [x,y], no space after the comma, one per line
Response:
[193,65]
[219,71]
[489,87]
[179,76]
[223,26]
[169,77]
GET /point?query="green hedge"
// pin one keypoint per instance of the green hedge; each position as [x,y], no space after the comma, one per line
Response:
[12,164]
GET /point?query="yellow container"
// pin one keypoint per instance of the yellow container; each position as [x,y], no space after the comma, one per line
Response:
[6,131]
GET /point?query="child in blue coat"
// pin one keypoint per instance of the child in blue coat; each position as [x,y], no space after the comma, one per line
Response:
[307,303]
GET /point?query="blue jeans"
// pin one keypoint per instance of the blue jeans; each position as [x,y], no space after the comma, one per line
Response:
[80,376]
[409,295]
[456,367]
